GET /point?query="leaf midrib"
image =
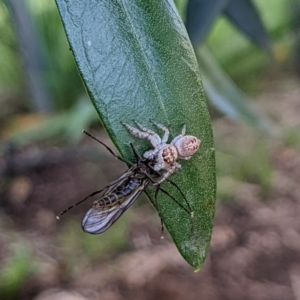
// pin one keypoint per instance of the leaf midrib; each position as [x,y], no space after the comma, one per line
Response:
[146,62]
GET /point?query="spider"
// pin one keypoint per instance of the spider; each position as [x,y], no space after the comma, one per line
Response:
[163,155]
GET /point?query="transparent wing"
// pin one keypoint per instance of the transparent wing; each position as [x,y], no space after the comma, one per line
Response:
[116,183]
[99,219]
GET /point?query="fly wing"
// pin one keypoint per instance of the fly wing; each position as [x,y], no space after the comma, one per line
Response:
[99,219]
[116,183]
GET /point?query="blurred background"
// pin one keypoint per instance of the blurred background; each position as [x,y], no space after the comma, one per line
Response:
[252,85]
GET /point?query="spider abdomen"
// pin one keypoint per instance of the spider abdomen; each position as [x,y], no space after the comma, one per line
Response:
[187,145]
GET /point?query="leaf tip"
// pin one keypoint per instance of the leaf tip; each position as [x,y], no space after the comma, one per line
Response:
[197,269]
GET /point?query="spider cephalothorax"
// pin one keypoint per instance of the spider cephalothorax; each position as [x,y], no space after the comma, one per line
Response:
[163,155]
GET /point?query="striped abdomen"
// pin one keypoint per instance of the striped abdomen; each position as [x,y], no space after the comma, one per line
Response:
[122,192]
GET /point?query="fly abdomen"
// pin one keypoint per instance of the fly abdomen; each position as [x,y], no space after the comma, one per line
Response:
[110,200]
[133,185]
[119,195]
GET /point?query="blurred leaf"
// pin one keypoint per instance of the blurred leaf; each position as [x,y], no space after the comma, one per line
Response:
[200,15]
[44,128]
[225,95]
[246,18]
[79,118]
[69,124]
[32,55]
[137,62]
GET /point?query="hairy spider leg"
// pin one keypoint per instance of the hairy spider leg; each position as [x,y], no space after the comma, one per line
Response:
[144,133]
[165,137]
[142,128]
[183,130]
[170,171]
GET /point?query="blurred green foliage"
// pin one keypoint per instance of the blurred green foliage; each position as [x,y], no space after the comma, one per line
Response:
[248,161]
[291,138]
[62,76]
[10,70]
[239,57]
[245,63]
[16,270]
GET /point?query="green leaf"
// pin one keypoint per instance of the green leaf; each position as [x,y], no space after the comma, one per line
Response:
[137,62]
[226,96]
[246,18]
[200,15]
[67,124]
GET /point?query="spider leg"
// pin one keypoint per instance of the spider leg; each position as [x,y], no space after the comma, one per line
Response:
[153,135]
[180,135]
[165,129]
[144,133]
[149,154]
[183,130]
[185,157]
[170,171]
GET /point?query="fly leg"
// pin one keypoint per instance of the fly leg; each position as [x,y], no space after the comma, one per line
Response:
[162,229]
[183,196]
[70,207]
[157,208]
[166,193]
[116,156]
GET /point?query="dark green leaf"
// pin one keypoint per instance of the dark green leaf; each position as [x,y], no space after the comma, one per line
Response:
[137,63]
[200,15]
[246,18]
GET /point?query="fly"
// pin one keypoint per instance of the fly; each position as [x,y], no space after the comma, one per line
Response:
[120,194]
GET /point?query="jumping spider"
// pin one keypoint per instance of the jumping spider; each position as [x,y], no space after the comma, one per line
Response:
[164,156]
